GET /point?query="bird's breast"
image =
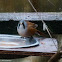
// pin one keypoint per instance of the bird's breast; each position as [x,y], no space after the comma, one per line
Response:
[21,31]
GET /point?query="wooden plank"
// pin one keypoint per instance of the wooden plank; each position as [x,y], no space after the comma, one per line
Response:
[45,45]
[47,16]
[25,53]
[45,48]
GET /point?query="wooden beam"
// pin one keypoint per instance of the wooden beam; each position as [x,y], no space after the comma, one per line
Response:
[47,16]
[26,53]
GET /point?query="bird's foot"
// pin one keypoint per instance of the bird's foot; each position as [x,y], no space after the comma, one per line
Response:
[31,38]
[23,37]
[28,38]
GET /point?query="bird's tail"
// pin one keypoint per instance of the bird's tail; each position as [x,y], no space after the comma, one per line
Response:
[41,33]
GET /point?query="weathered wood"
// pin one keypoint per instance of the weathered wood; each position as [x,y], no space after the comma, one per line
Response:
[26,53]
[55,57]
[58,56]
[45,48]
[47,16]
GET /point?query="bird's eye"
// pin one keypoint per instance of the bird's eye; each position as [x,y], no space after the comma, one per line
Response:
[18,25]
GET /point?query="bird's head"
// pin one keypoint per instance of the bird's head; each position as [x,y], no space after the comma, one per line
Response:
[22,23]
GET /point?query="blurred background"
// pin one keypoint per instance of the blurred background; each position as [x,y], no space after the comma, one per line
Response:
[24,6]
[18,6]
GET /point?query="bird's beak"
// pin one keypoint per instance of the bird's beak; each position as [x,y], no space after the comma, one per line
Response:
[23,25]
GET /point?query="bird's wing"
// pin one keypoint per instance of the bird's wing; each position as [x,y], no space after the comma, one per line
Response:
[35,31]
[41,33]
[32,24]
[31,31]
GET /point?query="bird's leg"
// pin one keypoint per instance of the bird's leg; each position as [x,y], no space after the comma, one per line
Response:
[30,38]
[23,37]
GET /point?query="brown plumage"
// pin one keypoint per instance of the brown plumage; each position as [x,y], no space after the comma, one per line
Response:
[29,29]
[31,24]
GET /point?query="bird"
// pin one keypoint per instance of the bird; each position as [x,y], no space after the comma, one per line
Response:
[28,29]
